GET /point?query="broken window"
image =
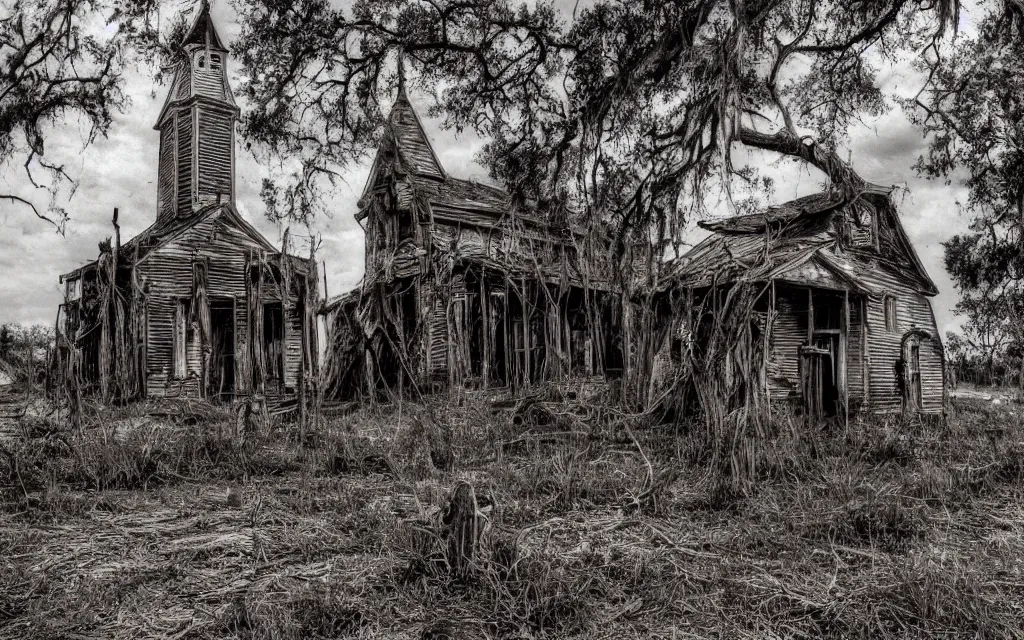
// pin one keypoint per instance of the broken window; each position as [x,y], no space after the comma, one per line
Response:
[273,340]
[889,303]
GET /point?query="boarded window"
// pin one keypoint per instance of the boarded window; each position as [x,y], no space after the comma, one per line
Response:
[890,313]
[73,289]
[214,61]
[181,322]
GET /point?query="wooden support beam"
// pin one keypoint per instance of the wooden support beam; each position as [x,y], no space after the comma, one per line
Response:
[485,331]
[864,354]
[845,356]
[810,316]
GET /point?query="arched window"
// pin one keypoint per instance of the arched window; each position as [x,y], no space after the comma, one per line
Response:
[889,305]
[201,61]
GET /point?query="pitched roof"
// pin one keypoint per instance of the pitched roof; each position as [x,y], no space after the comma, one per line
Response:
[165,229]
[731,257]
[203,30]
[777,242]
[776,216]
[414,148]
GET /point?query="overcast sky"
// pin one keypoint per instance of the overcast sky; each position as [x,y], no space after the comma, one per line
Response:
[120,171]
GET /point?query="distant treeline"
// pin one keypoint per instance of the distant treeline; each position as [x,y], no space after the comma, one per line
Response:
[1001,366]
[25,353]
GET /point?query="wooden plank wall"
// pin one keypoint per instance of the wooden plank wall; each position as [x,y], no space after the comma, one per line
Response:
[168,269]
[184,160]
[854,353]
[216,141]
[165,172]
[913,311]
[789,333]
[209,79]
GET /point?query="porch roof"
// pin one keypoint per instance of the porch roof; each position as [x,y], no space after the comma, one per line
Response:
[804,260]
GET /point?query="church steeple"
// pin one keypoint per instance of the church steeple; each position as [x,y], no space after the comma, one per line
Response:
[197,125]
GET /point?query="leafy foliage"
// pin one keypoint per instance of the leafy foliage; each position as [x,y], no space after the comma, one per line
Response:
[62,60]
[623,112]
[972,109]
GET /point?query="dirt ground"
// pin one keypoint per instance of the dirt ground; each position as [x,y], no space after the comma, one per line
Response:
[891,531]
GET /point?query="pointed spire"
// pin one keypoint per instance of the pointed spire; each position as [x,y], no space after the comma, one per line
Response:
[401,75]
[203,32]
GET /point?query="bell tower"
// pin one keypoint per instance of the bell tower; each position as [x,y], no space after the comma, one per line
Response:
[197,126]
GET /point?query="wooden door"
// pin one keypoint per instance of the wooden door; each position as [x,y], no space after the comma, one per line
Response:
[820,385]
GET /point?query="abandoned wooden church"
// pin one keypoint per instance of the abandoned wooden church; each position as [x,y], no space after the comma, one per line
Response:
[464,288]
[841,313]
[199,304]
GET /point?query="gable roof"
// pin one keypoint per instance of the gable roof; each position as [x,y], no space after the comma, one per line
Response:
[776,243]
[164,230]
[776,216]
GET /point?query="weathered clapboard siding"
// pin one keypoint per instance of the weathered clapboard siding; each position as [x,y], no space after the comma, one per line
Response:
[855,353]
[168,269]
[216,139]
[184,161]
[789,332]
[438,336]
[207,79]
[165,172]
[913,311]
[293,345]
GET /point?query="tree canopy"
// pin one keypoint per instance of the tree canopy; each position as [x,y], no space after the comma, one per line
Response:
[622,112]
[972,109]
[621,107]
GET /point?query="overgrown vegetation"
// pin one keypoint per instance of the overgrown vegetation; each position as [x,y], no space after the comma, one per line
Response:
[594,524]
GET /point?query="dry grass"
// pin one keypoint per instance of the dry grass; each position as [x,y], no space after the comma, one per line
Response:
[598,525]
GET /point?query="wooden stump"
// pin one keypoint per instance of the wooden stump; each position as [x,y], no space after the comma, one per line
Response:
[463,522]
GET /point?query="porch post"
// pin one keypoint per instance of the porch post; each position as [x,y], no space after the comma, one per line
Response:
[846,351]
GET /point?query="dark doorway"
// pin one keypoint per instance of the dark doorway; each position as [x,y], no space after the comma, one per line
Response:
[824,357]
[222,348]
[273,343]
[828,379]
[499,330]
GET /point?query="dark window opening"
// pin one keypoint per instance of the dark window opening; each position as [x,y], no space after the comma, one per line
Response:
[406,228]
[408,302]
[828,311]
[890,313]
[273,341]
[215,62]
[476,335]
[614,360]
